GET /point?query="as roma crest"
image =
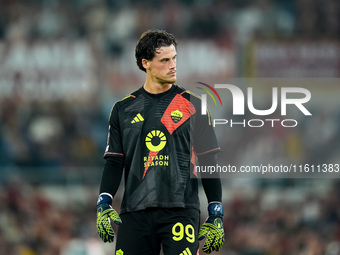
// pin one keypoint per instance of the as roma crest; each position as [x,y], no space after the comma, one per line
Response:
[176,116]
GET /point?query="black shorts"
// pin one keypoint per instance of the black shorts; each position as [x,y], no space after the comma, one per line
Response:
[146,232]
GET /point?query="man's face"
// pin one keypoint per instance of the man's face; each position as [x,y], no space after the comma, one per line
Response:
[162,68]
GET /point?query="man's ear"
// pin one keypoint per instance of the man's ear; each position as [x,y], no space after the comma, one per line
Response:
[146,63]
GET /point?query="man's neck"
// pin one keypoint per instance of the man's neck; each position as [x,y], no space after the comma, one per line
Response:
[157,88]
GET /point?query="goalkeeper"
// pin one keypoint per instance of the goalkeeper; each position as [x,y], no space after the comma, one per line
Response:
[155,136]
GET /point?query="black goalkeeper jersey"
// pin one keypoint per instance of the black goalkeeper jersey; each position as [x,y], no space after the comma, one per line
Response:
[159,136]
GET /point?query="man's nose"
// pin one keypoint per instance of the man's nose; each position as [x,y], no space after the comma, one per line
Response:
[172,63]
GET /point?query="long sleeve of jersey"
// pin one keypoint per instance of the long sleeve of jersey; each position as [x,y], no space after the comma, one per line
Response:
[212,183]
[112,175]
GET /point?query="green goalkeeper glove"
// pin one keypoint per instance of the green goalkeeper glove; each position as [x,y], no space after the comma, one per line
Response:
[212,228]
[105,214]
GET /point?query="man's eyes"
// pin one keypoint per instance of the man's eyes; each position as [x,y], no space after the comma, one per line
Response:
[167,59]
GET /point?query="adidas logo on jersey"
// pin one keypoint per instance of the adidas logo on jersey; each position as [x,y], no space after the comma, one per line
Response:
[138,118]
[186,252]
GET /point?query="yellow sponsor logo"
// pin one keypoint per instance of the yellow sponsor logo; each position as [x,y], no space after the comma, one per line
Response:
[155,140]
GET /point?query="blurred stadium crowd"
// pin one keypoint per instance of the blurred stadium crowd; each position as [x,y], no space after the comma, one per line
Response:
[109,24]
[113,21]
[49,148]
[258,221]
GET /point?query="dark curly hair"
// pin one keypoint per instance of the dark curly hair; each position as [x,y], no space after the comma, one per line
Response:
[149,42]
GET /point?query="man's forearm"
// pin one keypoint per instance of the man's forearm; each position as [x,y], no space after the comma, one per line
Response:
[212,183]
[112,175]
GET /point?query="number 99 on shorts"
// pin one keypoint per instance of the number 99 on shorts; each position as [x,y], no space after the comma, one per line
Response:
[180,231]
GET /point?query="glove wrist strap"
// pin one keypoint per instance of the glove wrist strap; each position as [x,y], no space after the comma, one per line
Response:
[216,209]
[104,198]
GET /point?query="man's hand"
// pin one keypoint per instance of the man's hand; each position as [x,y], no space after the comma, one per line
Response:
[213,228]
[105,214]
